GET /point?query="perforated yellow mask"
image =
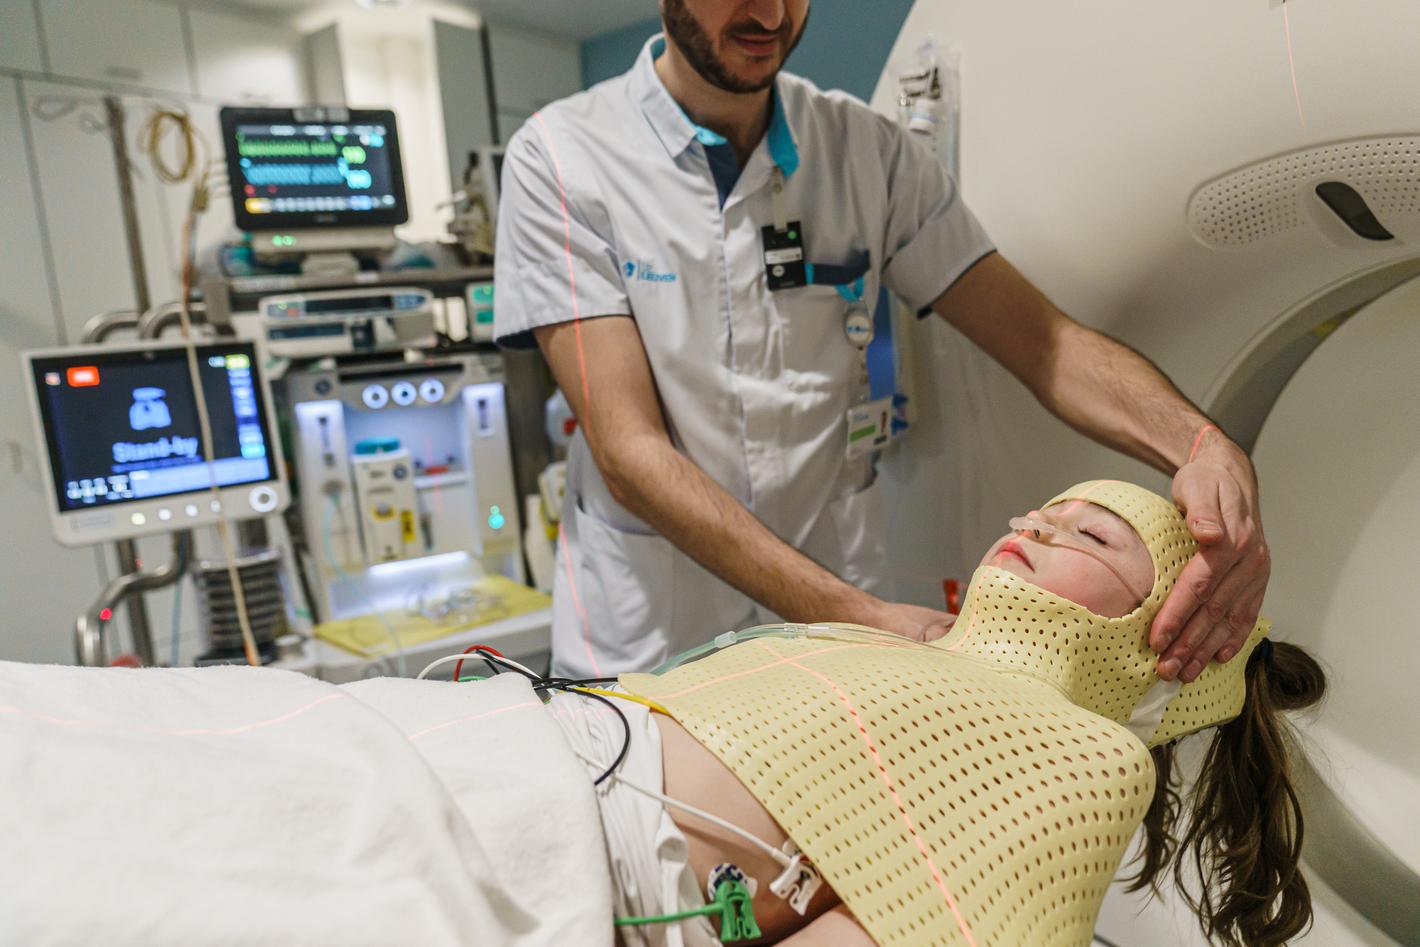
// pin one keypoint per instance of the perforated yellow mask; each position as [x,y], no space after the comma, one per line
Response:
[1104,664]
[978,791]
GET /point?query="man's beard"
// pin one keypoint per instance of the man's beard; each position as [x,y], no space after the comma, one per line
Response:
[699,50]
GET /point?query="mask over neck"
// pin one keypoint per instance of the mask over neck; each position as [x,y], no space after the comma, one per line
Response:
[1103,664]
[974,792]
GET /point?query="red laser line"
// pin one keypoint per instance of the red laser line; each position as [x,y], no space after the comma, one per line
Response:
[571,270]
[737,674]
[472,717]
[582,367]
[1198,440]
[1292,63]
[896,798]
[164,732]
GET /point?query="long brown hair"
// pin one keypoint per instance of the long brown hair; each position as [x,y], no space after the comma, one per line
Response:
[1243,834]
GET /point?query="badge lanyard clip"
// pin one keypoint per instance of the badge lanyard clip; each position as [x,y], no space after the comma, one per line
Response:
[858,328]
[781,211]
[869,422]
[784,265]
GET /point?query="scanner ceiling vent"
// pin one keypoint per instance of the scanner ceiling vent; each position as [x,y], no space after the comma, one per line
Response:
[1278,195]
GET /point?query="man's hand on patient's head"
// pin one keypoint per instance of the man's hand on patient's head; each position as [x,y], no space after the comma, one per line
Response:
[1214,605]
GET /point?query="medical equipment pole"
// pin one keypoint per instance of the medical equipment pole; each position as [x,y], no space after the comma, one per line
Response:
[89,630]
[157,320]
[96,330]
[113,108]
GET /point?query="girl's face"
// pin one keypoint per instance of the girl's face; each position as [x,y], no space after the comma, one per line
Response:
[1100,562]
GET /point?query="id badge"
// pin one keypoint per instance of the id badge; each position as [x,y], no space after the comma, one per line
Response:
[869,427]
[784,256]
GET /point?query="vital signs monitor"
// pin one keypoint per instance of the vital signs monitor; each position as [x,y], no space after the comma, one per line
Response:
[122,445]
[298,169]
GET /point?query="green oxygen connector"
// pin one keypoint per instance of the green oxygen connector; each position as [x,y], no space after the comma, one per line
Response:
[736,912]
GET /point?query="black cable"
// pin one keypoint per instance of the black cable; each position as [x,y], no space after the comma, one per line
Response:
[492,659]
[577,682]
[625,726]
[569,686]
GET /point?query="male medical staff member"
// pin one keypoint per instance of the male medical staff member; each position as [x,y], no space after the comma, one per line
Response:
[686,243]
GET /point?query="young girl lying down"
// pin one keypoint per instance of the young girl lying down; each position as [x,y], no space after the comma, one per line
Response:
[799,785]
[977,790]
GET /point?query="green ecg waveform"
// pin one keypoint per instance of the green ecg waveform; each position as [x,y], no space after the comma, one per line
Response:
[285,148]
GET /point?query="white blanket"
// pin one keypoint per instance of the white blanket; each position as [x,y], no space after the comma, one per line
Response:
[240,806]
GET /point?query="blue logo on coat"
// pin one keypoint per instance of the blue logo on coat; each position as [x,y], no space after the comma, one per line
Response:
[646,273]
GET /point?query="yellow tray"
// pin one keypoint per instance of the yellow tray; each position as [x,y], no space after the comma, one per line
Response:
[368,637]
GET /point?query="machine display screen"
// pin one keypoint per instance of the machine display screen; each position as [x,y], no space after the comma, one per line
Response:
[123,426]
[289,173]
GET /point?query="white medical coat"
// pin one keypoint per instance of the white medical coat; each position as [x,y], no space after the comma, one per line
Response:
[608,207]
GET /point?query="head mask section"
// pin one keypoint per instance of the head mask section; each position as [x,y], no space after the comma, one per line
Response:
[1103,664]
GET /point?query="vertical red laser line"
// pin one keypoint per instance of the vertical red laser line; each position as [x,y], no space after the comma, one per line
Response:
[1292,63]
[571,270]
[581,365]
[896,798]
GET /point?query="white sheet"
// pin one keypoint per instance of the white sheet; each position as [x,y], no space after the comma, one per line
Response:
[240,806]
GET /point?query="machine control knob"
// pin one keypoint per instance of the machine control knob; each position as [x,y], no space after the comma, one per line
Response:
[431,390]
[263,499]
[375,397]
[403,393]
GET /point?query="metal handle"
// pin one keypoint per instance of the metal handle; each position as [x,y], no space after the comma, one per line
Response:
[89,630]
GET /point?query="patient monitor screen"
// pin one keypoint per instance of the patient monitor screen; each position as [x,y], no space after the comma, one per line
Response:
[123,426]
[290,173]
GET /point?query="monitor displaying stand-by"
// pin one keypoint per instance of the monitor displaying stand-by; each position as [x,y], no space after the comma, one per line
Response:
[120,437]
[315,183]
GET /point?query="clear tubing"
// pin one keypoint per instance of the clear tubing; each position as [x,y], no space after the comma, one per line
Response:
[1071,540]
[732,637]
[828,632]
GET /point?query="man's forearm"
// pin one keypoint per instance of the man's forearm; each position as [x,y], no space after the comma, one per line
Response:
[1111,393]
[1098,386]
[653,480]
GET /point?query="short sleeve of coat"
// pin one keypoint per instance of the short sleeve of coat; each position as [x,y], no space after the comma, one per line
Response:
[555,259]
[932,237]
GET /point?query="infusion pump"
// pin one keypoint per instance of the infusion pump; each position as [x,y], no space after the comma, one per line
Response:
[344,321]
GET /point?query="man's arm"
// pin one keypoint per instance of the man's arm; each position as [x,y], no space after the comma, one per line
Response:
[601,366]
[1112,394]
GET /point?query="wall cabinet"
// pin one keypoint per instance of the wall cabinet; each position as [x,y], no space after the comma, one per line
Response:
[19,36]
[530,70]
[246,61]
[129,42]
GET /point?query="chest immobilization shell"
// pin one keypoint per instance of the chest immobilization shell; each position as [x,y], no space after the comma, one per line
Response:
[980,790]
